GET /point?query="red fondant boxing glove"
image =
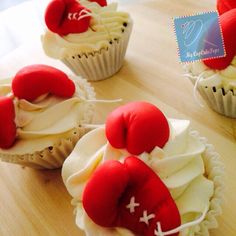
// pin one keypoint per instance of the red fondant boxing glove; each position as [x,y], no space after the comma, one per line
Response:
[67,16]
[130,195]
[35,80]
[102,3]
[225,5]
[138,127]
[7,122]
[228,25]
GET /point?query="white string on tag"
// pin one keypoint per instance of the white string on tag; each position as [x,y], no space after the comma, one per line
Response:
[196,98]
[104,100]
[95,126]
[92,126]
[87,14]
[159,231]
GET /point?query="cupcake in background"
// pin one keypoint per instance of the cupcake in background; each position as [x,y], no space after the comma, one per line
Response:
[144,174]
[41,113]
[215,79]
[90,37]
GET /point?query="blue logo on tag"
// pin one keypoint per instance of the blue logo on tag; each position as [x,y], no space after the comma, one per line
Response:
[199,37]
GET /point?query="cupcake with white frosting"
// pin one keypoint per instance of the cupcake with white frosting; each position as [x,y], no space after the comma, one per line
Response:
[42,115]
[215,79]
[90,37]
[105,176]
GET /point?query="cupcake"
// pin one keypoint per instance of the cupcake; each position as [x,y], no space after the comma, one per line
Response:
[42,111]
[215,79]
[90,37]
[143,174]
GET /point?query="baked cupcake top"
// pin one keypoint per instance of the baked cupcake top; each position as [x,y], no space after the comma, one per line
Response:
[138,139]
[82,27]
[38,106]
[220,72]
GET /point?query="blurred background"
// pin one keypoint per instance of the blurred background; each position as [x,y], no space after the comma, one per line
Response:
[21,21]
[4,4]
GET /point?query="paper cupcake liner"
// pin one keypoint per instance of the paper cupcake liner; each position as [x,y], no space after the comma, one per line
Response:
[49,158]
[214,171]
[53,157]
[102,64]
[218,99]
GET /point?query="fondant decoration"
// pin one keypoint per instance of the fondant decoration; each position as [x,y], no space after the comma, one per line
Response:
[132,196]
[7,123]
[67,16]
[225,5]
[35,80]
[102,3]
[228,25]
[138,126]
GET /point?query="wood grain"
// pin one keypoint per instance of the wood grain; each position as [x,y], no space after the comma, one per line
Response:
[36,202]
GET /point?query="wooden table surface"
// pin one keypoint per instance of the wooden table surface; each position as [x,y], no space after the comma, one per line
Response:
[36,202]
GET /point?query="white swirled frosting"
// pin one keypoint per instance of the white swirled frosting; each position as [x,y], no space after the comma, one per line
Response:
[42,123]
[179,164]
[214,78]
[106,25]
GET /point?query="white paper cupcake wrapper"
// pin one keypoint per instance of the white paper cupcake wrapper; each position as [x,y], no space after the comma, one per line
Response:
[215,171]
[218,99]
[102,64]
[49,158]
[53,157]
